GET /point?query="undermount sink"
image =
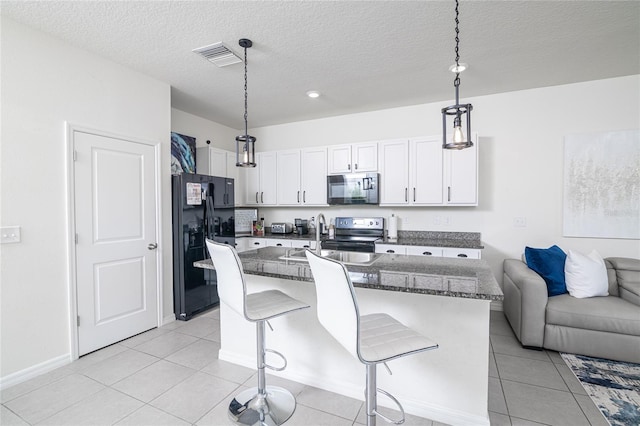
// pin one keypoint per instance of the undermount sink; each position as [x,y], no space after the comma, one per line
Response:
[346,257]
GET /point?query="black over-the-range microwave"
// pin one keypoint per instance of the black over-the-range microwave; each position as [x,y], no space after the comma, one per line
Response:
[354,188]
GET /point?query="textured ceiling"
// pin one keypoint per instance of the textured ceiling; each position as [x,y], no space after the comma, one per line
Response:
[361,55]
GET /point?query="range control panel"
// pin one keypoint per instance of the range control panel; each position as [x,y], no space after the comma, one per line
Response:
[360,223]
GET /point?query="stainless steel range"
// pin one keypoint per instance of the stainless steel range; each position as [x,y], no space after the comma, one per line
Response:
[356,234]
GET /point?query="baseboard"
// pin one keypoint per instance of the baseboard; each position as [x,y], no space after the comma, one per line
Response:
[168,319]
[34,371]
[415,407]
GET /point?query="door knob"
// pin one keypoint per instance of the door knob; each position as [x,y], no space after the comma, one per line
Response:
[152,246]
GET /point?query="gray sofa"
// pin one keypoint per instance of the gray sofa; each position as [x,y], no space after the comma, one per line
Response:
[604,327]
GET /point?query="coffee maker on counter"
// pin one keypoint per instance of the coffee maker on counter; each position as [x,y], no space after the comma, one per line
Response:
[302,226]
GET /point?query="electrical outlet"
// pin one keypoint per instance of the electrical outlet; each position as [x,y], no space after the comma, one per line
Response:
[446,220]
[520,222]
[437,220]
[10,234]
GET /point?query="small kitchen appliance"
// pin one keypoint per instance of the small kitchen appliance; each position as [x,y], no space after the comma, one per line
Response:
[302,226]
[356,234]
[282,228]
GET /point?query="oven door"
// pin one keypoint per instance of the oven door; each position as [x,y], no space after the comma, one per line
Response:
[356,188]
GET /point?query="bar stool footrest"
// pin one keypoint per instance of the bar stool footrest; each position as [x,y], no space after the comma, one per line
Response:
[271,351]
[385,418]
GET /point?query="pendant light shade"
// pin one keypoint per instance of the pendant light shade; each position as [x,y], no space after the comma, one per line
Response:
[457,118]
[245,144]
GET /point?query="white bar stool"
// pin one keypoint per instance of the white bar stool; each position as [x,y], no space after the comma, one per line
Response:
[372,339]
[261,405]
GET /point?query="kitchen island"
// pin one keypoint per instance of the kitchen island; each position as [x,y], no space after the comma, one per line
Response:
[445,299]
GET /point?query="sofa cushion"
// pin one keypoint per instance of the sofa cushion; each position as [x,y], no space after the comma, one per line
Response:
[586,275]
[608,313]
[549,263]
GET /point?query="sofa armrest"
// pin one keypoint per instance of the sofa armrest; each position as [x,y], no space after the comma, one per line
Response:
[628,278]
[525,302]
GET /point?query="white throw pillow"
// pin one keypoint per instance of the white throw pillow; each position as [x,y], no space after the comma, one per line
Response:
[586,276]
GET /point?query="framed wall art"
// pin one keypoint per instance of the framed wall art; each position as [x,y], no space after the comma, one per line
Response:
[183,154]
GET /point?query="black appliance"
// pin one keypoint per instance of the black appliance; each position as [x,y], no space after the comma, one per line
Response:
[354,188]
[202,207]
[356,234]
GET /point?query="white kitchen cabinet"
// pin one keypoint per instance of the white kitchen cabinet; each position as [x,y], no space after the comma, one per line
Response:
[353,158]
[425,171]
[302,177]
[262,181]
[390,249]
[314,176]
[424,251]
[428,251]
[254,243]
[411,171]
[289,176]
[461,252]
[461,175]
[303,244]
[218,162]
[277,242]
[394,173]
[418,172]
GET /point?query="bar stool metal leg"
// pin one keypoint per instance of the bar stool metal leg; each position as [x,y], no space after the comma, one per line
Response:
[371,394]
[263,405]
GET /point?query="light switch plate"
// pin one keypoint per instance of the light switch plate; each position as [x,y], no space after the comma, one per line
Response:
[9,234]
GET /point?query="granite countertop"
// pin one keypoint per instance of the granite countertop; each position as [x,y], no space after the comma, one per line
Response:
[440,276]
[292,236]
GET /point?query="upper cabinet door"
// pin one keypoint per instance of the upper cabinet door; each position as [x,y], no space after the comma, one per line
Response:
[394,173]
[339,159]
[314,176]
[364,157]
[268,178]
[211,161]
[288,172]
[461,175]
[425,166]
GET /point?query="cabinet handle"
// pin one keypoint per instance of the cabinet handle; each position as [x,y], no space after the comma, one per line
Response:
[448,193]
[262,197]
[414,194]
[348,166]
[279,245]
[356,166]
[427,253]
[305,246]
[298,196]
[462,255]
[304,196]
[257,243]
[256,198]
[406,195]
[391,251]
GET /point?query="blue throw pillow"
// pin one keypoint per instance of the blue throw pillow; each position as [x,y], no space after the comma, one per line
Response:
[549,263]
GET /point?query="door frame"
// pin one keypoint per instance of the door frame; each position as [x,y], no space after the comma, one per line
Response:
[70,128]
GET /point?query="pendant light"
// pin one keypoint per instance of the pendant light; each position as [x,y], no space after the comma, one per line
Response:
[245,144]
[459,112]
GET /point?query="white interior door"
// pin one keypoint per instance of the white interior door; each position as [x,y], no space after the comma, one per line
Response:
[116,259]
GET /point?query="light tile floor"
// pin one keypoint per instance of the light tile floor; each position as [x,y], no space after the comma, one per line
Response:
[169,376]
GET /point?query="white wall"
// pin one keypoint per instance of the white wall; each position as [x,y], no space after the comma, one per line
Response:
[521,161]
[44,83]
[221,137]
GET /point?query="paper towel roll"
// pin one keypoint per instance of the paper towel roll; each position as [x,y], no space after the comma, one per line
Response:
[392,227]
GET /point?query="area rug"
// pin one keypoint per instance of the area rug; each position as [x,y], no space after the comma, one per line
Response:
[612,385]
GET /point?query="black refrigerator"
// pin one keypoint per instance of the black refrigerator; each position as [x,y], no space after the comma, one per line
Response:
[202,207]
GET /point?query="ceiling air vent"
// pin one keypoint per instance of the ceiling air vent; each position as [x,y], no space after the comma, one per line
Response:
[219,54]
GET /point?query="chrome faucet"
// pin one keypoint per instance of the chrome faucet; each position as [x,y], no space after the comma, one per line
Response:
[324,222]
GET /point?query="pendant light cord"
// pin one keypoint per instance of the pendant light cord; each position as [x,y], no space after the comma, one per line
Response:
[457,80]
[246,131]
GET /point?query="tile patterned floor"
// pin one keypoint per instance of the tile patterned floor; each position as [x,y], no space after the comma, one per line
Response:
[166,376]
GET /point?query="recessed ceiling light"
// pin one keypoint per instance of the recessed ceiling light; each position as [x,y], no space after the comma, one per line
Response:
[313,94]
[458,68]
